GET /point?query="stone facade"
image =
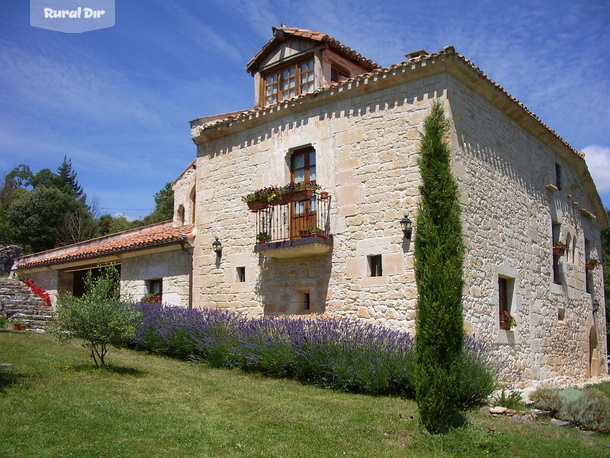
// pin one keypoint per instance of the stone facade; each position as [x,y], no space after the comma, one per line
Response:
[171,267]
[365,135]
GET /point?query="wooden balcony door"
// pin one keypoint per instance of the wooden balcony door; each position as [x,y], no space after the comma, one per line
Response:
[302,214]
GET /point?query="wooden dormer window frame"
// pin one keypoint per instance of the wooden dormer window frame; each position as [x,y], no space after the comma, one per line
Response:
[338,73]
[288,81]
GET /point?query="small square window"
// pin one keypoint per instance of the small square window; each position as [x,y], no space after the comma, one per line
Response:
[241,274]
[155,287]
[561,314]
[375,266]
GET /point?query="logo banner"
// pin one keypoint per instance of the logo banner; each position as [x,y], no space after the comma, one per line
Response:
[72,16]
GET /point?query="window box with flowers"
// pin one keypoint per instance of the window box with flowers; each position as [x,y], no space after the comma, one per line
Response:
[559,248]
[507,321]
[278,195]
[295,192]
[151,299]
[259,199]
[592,263]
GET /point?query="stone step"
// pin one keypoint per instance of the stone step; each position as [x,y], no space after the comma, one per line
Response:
[19,303]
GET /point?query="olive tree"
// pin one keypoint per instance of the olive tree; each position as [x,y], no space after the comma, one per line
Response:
[100,318]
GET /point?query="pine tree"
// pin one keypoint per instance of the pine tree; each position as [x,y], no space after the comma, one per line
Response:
[66,180]
[439,255]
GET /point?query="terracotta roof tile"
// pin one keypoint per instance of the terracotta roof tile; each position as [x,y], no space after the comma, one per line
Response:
[155,236]
[311,35]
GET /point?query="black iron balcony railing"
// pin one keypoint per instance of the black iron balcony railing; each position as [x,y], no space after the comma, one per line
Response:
[297,216]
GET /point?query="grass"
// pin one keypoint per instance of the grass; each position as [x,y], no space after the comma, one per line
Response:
[54,403]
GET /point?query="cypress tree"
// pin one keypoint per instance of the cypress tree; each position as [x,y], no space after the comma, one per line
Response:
[439,256]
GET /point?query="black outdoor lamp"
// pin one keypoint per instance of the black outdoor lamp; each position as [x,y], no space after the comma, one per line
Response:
[217,247]
[406,226]
[595,305]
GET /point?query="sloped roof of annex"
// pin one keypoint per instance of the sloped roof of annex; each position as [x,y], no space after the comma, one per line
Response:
[153,236]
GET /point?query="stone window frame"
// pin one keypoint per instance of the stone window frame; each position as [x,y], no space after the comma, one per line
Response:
[240,274]
[588,273]
[151,286]
[557,271]
[303,297]
[558,176]
[514,301]
[374,265]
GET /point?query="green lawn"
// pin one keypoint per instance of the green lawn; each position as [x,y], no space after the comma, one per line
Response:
[53,403]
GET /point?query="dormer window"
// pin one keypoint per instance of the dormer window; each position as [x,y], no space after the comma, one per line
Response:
[338,74]
[289,81]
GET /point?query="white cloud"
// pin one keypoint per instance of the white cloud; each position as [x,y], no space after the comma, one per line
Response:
[598,161]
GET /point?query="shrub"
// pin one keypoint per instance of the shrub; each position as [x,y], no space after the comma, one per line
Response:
[509,399]
[546,398]
[591,411]
[477,375]
[100,318]
[330,353]
[188,333]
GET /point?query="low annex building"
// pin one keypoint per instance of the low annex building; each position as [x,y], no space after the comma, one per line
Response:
[343,133]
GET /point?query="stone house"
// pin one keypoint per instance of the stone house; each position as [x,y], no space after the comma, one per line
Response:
[325,113]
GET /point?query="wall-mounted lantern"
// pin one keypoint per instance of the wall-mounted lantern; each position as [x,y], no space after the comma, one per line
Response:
[217,247]
[406,226]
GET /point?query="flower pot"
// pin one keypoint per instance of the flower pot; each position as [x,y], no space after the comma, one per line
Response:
[280,200]
[295,196]
[558,251]
[256,205]
[323,195]
[505,325]
[298,196]
[261,241]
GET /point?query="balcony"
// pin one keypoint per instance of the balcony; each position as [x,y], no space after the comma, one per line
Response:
[295,225]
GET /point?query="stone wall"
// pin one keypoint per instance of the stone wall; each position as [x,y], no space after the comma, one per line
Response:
[47,280]
[184,196]
[366,149]
[171,266]
[366,153]
[509,203]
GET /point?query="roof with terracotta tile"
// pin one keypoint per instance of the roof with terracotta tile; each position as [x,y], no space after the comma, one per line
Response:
[279,34]
[156,236]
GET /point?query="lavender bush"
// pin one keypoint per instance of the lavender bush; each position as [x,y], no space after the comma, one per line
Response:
[330,353]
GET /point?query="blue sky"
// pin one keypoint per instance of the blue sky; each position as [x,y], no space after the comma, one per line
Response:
[117,101]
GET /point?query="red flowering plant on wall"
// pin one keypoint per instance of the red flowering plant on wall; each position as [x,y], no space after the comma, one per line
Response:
[507,318]
[41,293]
[151,299]
[592,263]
